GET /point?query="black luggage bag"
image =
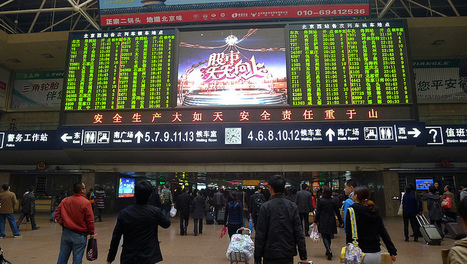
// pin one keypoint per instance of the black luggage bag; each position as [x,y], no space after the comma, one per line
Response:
[220,216]
[455,230]
[210,218]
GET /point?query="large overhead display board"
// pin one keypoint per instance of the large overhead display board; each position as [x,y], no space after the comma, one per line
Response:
[272,72]
[349,63]
[162,12]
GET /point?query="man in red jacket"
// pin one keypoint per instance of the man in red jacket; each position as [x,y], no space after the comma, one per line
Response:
[75,215]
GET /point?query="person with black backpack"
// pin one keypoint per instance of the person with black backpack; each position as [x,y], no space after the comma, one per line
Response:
[256,200]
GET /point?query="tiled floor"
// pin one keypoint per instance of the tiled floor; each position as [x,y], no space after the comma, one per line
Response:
[42,246]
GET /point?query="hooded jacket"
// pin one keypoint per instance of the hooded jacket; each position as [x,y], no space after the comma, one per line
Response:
[458,253]
[370,229]
[433,202]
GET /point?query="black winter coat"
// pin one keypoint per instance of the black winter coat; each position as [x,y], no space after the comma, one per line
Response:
[434,206]
[278,230]
[29,203]
[183,204]
[138,223]
[198,207]
[304,201]
[370,229]
[326,216]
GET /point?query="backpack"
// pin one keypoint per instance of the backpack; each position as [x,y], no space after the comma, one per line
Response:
[258,202]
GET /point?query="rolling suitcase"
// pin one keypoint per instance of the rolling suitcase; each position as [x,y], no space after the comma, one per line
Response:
[429,232]
[210,218]
[220,216]
[455,230]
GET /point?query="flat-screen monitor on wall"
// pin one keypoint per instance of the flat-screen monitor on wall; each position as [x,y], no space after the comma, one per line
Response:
[126,187]
[423,184]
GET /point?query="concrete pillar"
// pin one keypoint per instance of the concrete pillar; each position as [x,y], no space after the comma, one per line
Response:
[4,178]
[89,179]
[391,190]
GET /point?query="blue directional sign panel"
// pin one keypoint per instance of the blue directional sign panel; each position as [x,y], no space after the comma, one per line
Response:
[446,135]
[28,140]
[239,135]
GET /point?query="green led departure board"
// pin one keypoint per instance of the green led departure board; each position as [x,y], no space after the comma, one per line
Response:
[349,63]
[120,70]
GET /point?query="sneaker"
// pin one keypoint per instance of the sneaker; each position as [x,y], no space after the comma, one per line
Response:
[18,235]
[2,237]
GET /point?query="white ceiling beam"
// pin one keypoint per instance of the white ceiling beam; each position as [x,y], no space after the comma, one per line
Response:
[36,17]
[386,8]
[392,11]
[454,8]
[407,8]
[56,23]
[427,8]
[76,7]
[37,10]
[7,2]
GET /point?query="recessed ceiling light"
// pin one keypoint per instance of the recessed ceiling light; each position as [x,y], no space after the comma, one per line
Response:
[14,60]
[438,42]
[47,55]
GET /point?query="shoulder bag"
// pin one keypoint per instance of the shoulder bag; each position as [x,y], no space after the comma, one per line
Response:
[352,253]
[401,206]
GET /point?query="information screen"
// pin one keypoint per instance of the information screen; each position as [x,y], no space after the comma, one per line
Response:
[126,188]
[349,63]
[120,70]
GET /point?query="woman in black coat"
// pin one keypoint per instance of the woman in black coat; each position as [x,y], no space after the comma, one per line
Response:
[326,219]
[198,207]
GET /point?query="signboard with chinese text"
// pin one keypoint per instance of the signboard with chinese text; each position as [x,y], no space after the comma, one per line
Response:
[441,80]
[160,12]
[225,136]
[37,90]
[28,140]
[243,74]
[446,135]
[4,83]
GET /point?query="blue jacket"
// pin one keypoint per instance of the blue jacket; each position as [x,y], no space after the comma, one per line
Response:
[347,204]
[233,213]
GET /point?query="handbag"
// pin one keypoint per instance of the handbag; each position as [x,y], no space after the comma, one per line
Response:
[173,212]
[352,253]
[385,256]
[401,207]
[314,235]
[91,250]
[446,203]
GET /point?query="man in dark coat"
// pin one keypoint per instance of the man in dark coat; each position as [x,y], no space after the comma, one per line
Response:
[28,208]
[278,231]
[198,208]
[219,202]
[138,223]
[183,206]
[304,201]
[256,200]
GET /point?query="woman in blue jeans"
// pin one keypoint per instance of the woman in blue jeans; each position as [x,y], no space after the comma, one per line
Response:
[233,217]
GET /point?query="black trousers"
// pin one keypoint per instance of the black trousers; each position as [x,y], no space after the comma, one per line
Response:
[198,222]
[22,216]
[304,216]
[278,261]
[327,241]
[184,219]
[414,224]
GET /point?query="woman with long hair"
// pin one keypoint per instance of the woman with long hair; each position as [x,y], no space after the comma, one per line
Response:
[233,217]
[370,227]
[325,218]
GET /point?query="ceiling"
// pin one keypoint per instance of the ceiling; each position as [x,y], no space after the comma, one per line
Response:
[34,34]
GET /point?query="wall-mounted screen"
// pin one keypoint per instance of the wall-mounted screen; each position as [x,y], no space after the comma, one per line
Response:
[126,187]
[280,72]
[351,63]
[423,184]
[119,70]
[232,67]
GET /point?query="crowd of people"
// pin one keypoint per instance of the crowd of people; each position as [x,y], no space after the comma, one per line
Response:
[280,218]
